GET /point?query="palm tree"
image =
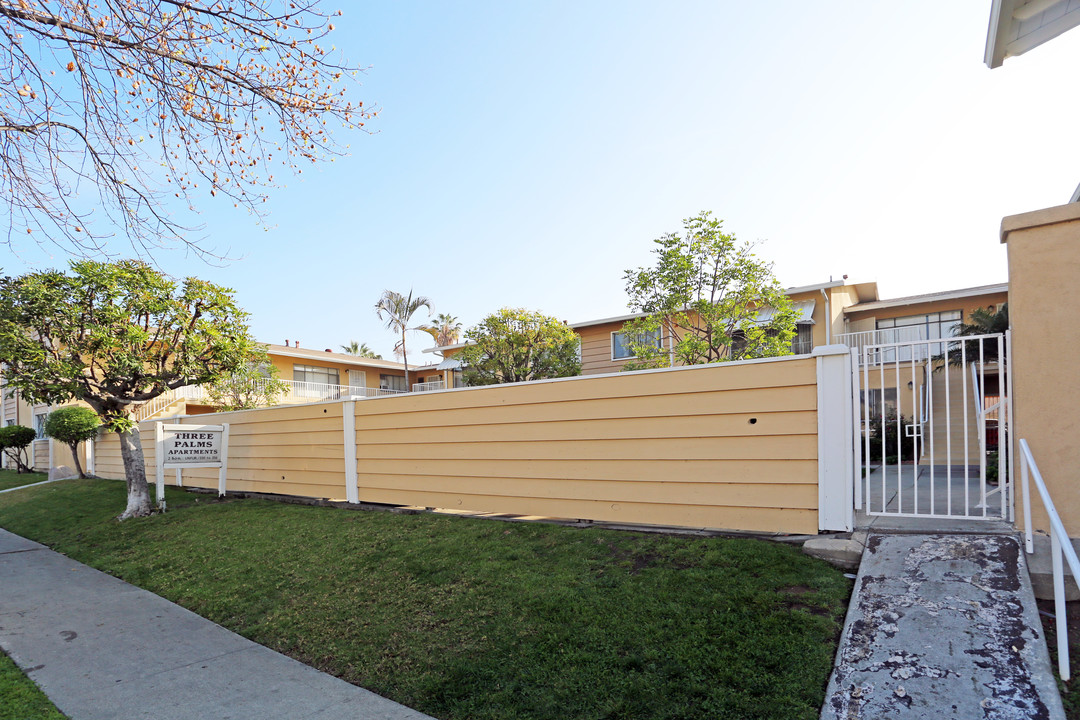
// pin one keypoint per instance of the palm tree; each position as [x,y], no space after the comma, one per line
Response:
[982,322]
[397,310]
[361,349]
[446,330]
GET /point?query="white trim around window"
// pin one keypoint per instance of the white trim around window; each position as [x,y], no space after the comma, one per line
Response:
[616,346]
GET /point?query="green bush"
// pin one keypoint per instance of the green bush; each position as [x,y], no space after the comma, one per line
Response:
[895,441]
[71,426]
[14,439]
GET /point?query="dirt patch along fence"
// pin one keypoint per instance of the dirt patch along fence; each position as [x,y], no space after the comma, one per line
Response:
[756,445]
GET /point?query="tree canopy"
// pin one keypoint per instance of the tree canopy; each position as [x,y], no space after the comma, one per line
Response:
[147,101]
[396,310]
[116,335]
[708,298]
[72,425]
[515,345]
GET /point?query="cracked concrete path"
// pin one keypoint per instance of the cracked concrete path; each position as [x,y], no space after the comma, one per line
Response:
[942,626]
[101,648]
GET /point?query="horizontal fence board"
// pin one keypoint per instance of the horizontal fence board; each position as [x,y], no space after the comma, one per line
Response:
[799,447]
[748,402]
[665,492]
[706,471]
[291,450]
[708,378]
[793,423]
[329,465]
[787,520]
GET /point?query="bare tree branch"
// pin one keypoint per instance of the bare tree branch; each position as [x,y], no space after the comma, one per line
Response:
[113,112]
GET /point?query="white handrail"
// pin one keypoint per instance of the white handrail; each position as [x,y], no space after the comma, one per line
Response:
[1059,545]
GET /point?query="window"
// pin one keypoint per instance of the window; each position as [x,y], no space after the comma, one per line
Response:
[39,425]
[312,374]
[803,342]
[620,344]
[935,326]
[392,382]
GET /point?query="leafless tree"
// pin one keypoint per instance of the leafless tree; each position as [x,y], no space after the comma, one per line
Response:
[110,110]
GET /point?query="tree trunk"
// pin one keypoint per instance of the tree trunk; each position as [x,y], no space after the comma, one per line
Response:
[405,357]
[138,502]
[75,456]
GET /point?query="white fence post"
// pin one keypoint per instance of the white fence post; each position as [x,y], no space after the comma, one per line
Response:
[836,467]
[159,460]
[223,472]
[348,423]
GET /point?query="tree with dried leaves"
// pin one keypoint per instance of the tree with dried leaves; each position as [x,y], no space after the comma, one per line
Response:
[446,330]
[117,335]
[146,101]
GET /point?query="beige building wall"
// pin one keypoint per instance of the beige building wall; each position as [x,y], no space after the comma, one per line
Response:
[1044,291]
[866,319]
[721,446]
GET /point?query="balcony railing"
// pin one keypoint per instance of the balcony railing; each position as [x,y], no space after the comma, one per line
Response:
[860,340]
[301,391]
[429,386]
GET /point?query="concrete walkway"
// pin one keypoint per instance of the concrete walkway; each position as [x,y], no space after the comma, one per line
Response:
[101,648]
[942,626]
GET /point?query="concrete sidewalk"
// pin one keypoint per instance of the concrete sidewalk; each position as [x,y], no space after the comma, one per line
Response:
[101,648]
[942,626]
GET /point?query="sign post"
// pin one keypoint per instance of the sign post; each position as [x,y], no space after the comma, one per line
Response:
[190,446]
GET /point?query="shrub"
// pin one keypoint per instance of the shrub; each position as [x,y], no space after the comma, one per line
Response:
[71,426]
[14,439]
[896,443]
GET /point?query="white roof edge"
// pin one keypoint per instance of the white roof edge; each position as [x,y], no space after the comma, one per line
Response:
[819,286]
[440,348]
[787,291]
[336,357]
[929,297]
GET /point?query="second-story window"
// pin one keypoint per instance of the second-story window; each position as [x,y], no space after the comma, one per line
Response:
[313,374]
[621,348]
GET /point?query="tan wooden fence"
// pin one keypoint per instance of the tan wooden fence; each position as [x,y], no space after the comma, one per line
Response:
[732,446]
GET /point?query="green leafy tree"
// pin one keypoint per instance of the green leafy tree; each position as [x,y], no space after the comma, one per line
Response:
[14,439]
[73,425]
[515,345]
[396,310]
[256,383]
[360,349]
[704,298]
[116,335]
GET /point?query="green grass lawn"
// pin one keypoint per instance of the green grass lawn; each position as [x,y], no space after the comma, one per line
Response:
[466,618]
[20,698]
[10,479]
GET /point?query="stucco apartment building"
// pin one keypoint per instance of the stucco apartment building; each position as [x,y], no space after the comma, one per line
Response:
[828,313]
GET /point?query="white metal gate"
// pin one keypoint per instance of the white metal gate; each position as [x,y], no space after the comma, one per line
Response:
[932,428]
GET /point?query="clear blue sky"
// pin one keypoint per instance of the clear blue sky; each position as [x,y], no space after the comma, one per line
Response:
[527,154]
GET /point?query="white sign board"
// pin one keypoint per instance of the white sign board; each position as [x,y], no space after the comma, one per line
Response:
[193,448]
[190,446]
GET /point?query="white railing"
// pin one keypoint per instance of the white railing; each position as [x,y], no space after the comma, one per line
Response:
[1059,545]
[429,386]
[300,390]
[154,406]
[860,340]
